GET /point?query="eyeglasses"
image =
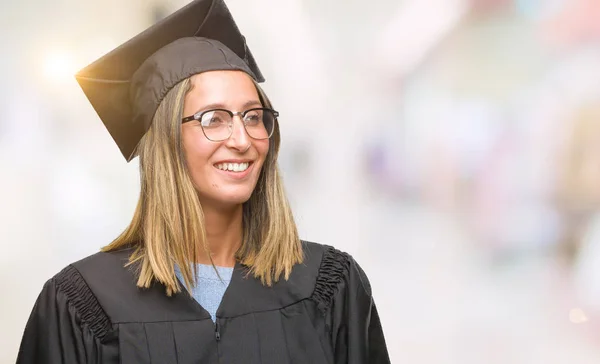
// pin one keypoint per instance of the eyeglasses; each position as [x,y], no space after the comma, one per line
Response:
[217,124]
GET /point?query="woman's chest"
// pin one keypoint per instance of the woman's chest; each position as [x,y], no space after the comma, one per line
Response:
[294,334]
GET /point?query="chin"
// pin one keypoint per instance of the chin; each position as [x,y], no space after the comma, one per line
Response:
[235,200]
[229,199]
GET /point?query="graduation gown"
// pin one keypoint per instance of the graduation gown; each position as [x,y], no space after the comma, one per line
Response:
[92,312]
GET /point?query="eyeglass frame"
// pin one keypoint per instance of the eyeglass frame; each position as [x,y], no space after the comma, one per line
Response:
[198,117]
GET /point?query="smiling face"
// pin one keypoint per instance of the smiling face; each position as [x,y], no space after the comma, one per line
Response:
[224,173]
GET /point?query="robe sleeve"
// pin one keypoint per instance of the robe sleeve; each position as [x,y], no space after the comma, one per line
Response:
[345,296]
[62,327]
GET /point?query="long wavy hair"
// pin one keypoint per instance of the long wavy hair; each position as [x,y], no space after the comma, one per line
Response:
[168,228]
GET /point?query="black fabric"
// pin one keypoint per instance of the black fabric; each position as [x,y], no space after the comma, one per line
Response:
[77,293]
[323,314]
[334,268]
[356,329]
[126,86]
[55,333]
[116,291]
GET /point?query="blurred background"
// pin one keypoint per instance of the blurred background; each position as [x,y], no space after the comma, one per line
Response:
[451,146]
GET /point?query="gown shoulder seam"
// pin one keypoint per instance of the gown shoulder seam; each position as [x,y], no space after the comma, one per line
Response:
[334,269]
[79,295]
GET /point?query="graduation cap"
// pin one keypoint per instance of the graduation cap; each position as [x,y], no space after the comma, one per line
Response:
[126,86]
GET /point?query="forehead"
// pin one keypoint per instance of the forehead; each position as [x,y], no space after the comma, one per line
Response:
[224,87]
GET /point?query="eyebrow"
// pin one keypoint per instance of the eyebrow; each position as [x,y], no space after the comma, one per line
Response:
[247,105]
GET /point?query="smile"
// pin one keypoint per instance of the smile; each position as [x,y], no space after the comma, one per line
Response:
[233,167]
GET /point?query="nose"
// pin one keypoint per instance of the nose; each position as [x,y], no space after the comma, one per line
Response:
[239,139]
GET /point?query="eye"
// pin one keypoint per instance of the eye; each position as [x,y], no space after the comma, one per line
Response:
[253,117]
[212,119]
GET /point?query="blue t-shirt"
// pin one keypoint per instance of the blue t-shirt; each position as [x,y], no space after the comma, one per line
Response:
[210,288]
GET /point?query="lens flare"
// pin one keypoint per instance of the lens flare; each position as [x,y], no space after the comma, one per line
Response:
[59,66]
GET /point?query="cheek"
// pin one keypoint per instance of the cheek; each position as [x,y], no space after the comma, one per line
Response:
[197,153]
[262,147]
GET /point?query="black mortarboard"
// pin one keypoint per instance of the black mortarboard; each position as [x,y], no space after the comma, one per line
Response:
[126,86]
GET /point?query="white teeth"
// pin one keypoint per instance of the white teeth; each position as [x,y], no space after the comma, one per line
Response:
[234,167]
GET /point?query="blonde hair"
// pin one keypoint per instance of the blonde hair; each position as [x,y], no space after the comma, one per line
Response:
[167,228]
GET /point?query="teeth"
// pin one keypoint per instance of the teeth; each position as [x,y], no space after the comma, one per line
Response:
[234,167]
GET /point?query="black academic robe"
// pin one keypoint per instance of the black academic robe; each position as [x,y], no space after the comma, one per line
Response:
[92,312]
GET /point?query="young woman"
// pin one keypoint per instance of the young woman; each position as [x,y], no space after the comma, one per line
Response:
[210,269]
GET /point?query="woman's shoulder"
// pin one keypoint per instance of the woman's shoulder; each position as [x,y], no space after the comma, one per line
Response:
[102,263]
[85,281]
[343,294]
[105,284]
[330,262]
[76,289]
[95,273]
[316,254]
[336,273]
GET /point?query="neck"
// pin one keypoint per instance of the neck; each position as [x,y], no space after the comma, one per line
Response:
[224,233]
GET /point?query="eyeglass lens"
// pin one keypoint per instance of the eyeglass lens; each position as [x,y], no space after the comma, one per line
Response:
[218,124]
